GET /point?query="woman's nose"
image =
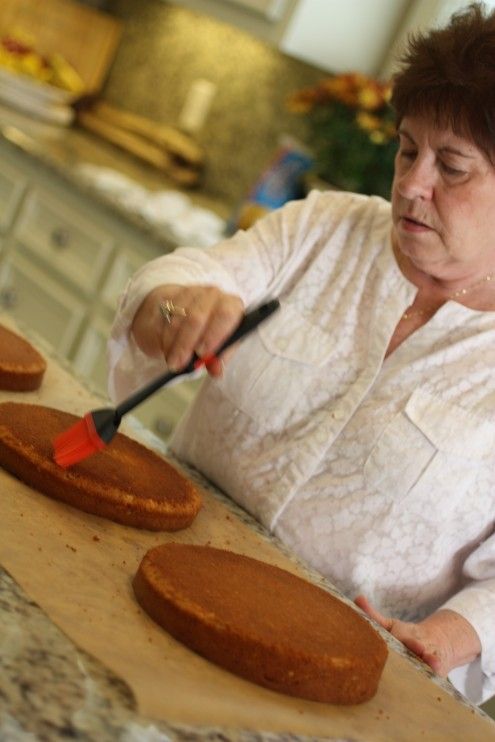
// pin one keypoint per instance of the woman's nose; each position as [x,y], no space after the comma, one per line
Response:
[417,180]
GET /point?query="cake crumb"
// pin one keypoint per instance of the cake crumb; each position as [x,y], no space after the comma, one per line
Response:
[96,538]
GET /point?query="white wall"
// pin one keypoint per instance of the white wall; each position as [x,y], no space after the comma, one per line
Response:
[343,35]
[421,15]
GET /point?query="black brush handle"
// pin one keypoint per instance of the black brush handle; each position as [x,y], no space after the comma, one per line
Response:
[250,321]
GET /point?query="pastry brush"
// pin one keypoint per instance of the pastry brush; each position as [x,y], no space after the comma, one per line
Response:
[97,428]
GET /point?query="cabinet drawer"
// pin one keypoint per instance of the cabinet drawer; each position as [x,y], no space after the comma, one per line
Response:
[90,359]
[32,297]
[124,265]
[67,241]
[12,188]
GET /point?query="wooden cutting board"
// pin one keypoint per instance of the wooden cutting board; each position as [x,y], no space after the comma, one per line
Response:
[84,36]
[82,580]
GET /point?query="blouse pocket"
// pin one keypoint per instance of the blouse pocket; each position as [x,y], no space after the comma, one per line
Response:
[269,374]
[430,451]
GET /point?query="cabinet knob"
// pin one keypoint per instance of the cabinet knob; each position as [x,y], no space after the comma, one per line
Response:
[162,426]
[60,237]
[8,298]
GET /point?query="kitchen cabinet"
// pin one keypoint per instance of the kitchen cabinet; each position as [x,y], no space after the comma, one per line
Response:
[64,260]
[334,35]
[339,36]
[12,187]
[41,303]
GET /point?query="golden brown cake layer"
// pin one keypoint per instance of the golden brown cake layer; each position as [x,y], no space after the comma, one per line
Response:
[262,623]
[21,366]
[125,482]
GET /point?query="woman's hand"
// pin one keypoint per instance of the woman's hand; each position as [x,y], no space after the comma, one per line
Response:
[210,317]
[443,640]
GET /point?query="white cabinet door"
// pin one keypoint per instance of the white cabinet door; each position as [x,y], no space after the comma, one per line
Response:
[163,410]
[66,239]
[90,359]
[343,36]
[13,185]
[125,263]
[33,297]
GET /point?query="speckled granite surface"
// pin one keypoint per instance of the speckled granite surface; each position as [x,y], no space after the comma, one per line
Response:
[52,690]
[65,151]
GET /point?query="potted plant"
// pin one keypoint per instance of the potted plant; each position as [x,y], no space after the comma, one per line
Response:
[351,131]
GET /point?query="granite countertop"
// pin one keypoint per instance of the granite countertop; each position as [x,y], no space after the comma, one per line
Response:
[50,689]
[65,151]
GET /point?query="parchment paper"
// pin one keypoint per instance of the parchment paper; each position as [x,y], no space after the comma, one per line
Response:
[79,568]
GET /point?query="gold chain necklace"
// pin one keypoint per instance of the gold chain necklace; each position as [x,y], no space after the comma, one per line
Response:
[455,295]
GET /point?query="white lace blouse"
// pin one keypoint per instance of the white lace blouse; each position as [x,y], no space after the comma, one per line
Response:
[378,473]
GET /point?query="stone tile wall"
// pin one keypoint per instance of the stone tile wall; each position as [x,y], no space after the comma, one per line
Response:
[165,48]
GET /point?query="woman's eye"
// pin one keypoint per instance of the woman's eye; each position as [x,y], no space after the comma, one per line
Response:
[451,170]
[407,154]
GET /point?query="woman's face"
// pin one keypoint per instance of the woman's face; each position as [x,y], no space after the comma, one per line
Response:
[443,202]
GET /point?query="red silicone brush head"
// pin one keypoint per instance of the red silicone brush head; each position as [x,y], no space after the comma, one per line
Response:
[77,443]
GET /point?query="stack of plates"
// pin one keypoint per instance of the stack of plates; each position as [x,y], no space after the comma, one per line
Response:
[45,102]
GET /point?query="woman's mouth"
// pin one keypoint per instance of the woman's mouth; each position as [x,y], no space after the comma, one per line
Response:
[413,225]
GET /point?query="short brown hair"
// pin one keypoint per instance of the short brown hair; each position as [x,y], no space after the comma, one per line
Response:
[448,74]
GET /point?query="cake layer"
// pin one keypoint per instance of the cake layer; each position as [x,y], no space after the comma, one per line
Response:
[125,482]
[262,623]
[21,366]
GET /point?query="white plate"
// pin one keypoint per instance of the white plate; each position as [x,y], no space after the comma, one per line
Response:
[51,112]
[28,86]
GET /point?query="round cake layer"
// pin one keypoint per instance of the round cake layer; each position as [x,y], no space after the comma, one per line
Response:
[21,366]
[124,482]
[262,623]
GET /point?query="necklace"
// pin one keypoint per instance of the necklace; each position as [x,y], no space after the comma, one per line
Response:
[455,295]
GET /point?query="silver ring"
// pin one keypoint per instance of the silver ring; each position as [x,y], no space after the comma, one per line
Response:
[168,310]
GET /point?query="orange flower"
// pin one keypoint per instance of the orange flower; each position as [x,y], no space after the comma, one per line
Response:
[352,131]
[370,97]
[367,122]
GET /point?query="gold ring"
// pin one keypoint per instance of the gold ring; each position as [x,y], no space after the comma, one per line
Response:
[168,310]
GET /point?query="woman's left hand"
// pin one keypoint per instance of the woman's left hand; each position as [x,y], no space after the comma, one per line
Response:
[443,640]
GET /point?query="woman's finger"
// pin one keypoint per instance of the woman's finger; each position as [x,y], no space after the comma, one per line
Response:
[225,316]
[189,330]
[363,603]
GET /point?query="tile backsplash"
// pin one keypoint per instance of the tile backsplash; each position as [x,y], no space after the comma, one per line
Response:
[166,48]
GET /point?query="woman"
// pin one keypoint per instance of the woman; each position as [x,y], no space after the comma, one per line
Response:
[358,423]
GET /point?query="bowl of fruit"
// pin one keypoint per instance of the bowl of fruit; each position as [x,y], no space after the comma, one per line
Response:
[38,84]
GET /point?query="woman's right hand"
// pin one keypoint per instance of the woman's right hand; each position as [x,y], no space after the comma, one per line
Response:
[210,317]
